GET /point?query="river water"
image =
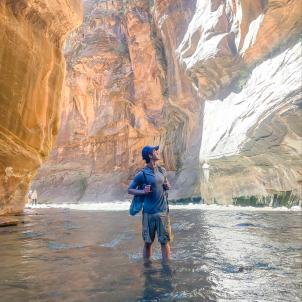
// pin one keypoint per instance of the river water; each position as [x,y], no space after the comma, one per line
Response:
[219,254]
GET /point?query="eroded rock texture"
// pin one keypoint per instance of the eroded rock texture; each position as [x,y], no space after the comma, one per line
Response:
[122,93]
[216,83]
[252,139]
[226,37]
[31,76]
[245,56]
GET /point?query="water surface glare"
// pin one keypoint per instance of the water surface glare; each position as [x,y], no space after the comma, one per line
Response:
[70,255]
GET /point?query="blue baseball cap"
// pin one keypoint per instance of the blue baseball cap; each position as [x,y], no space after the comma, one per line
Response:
[148,150]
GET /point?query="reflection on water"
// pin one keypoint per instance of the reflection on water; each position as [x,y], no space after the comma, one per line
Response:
[68,255]
[157,281]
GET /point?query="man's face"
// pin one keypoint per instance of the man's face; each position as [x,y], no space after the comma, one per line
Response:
[155,154]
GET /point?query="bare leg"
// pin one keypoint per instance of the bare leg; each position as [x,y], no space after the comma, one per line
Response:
[147,251]
[166,252]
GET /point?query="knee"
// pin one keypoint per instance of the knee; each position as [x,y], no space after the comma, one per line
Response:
[165,245]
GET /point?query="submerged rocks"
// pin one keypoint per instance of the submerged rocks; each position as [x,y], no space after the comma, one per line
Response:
[8,221]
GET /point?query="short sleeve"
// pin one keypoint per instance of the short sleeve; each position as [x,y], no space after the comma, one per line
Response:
[137,181]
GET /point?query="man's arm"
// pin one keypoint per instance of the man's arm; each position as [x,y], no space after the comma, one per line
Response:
[137,182]
[136,192]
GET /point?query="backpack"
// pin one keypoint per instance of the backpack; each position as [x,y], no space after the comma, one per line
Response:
[138,200]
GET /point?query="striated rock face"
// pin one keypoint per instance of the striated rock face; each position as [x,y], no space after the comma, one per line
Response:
[122,93]
[113,104]
[225,38]
[215,83]
[252,139]
[31,76]
[245,56]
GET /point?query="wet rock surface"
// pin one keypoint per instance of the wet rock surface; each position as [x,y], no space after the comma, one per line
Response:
[8,221]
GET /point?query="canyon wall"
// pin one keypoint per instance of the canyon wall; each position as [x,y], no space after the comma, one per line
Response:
[31,76]
[245,59]
[124,90]
[217,84]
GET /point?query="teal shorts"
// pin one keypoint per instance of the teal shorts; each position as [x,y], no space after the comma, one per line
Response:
[156,223]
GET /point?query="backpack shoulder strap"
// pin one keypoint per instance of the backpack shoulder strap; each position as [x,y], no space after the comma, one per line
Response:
[145,178]
[162,171]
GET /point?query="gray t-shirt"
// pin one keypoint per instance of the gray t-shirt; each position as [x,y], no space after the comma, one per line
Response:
[155,201]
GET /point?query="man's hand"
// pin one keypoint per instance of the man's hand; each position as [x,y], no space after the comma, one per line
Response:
[147,189]
[167,185]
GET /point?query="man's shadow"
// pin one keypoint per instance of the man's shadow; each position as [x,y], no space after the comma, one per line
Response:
[158,281]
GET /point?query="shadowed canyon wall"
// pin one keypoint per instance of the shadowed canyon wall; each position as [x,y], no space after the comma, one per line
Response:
[216,83]
[31,76]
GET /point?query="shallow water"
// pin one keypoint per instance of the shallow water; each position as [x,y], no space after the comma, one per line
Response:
[218,255]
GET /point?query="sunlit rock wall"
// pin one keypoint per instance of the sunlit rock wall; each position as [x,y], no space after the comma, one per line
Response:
[31,76]
[215,83]
[244,57]
[184,106]
[252,139]
[113,104]
[124,90]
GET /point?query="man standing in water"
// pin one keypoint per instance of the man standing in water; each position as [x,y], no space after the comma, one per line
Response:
[153,181]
